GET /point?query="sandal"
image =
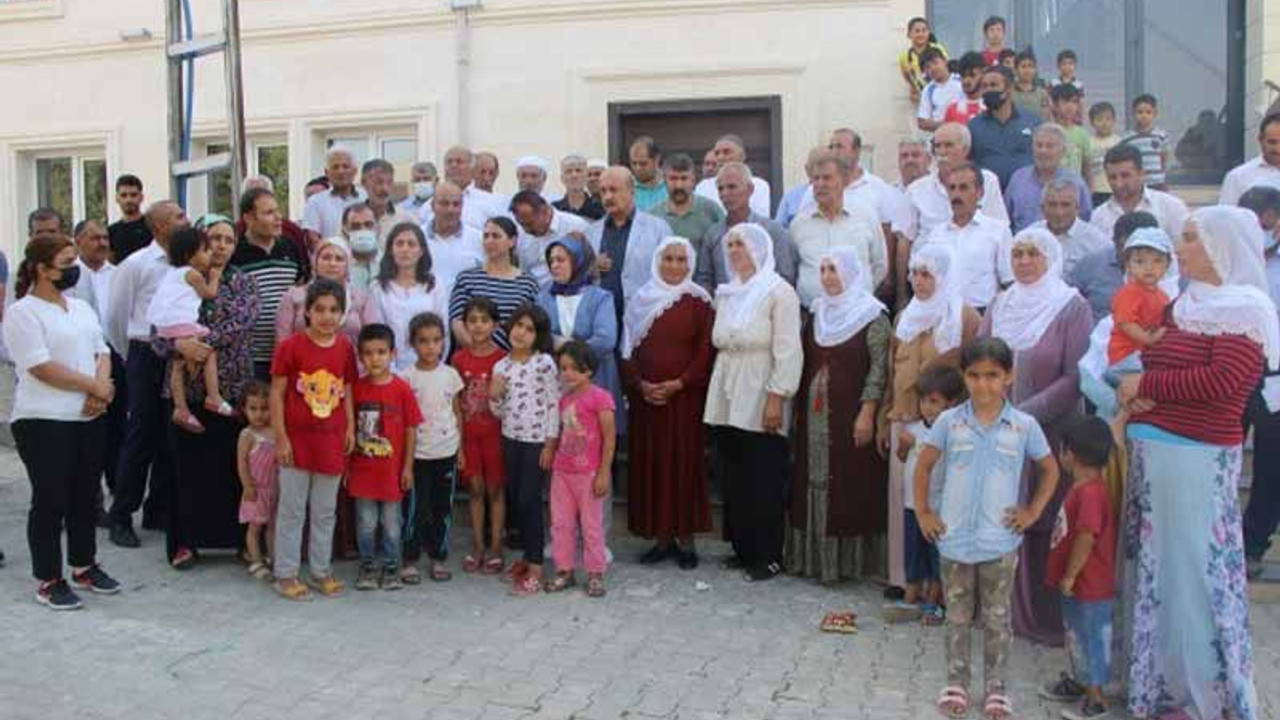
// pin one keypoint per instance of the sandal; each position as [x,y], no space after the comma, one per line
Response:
[293,589]
[561,582]
[933,615]
[222,408]
[517,571]
[439,573]
[188,422]
[494,565]
[410,575]
[595,586]
[997,707]
[183,559]
[953,702]
[259,571]
[527,585]
[470,564]
[328,586]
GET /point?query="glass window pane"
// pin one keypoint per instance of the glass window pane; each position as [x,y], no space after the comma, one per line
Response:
[219,183]
[53,186]
[273,161]
[958,23]
[402,153]
[94,184]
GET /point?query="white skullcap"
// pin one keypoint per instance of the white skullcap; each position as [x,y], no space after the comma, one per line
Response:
[533,161]
[597,163]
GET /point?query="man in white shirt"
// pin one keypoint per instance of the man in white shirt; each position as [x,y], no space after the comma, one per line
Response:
[460,167]
[890,208]
[974,238]
[422,185]
[1123,165]
[531,174]
[487,169]
[732,148]
[540,225]
[1262,170]
[1060,204]
[322,216]
[928,195]
[454,246]
[832,223]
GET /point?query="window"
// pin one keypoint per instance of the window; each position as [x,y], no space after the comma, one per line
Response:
[266,158]
[397,146]
[74,185]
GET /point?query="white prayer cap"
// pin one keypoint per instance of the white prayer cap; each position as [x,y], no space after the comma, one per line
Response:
[533,161]
[597,163]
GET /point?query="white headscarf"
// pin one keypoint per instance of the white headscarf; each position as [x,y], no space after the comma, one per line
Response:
[742,299]
[1023,312]
[1241,305]
[836,318]
[943,312]
[656,296]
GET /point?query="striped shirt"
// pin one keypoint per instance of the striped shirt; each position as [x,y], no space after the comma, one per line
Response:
[1200,384]
[1151,144]
[273,273]
[507,293]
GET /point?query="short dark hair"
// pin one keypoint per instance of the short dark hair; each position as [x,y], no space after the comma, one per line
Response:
[1064,92]
[44,214]
[581,355]
[679,162]
[1267,120]
[1067,55]
[1089,439]
[543,341]
[128,180]
[992,22]
[942,379]
[1260,199]
[1005,54]
[988,348]
[320,180]
[84,224]
[354,208]
[970,167]
[324,287]
[374,332]
[1127,223]
[930,54]
[184,244]
[1099,109]
[1027,55]
[253,388]
[249,200]
[1123,153]
[1145,99]
[970,62]
[422,321]
[1002,71]
[531,199]
[482,304]
[376,165]
[649,144]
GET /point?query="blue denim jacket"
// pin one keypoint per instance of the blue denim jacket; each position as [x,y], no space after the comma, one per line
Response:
[983,478]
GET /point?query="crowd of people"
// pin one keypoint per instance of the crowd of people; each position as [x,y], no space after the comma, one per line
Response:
[1013,385]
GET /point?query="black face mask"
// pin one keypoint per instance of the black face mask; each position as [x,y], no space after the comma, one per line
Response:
[993,99]
[70,276]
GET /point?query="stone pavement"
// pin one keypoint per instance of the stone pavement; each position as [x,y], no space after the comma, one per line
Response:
[213,644]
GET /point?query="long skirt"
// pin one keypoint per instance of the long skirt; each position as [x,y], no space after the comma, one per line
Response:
[205,502]
[1184,593]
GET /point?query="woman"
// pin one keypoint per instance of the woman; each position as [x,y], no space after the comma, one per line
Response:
[921,38]
[206,493]
[332,262]
[64,387]
[1184,593]
[931,330]
[839,497]
[1047,324]
[666,352]
[499,280]
[757,371]
[406,287]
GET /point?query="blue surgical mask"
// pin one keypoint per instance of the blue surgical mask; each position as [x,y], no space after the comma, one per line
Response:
[424,190]
[364,242]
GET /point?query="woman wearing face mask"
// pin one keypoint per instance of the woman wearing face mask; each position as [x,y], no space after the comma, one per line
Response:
[332,263]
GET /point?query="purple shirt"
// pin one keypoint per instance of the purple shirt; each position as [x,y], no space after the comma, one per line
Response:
[1024,195]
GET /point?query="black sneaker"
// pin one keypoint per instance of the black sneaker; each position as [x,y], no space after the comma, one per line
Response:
[1089,710]
[893,593]
[1065,690]
[57,595]
[688,560]
[1,558]
[368,578]
[659,553]
[95,580]
[124,536]
[765,571]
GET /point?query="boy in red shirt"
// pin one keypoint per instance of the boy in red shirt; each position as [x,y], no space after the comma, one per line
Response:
[1138,307]
[381,469]
[1082,565]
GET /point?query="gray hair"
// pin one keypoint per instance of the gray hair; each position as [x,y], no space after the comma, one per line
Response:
[572,159]
[841,162]
[737,166]
[915,140]
[1063,185]
[425,166]
[1053,129]
[337,150]
[254,181]
[966,138]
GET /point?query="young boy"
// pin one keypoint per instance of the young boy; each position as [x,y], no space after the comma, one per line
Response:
[381,469]
[1008,58]
[1138,307]
[1102,117]
[436,453]
[1067,72]
[1066,112]
[1028,92]
[978,524]
[966,108]
[1082,566]
[942,90]
[941,387]
[1150,140]
[993,31]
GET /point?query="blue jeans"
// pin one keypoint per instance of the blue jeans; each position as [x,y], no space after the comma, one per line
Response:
[1088,626]
[369,515]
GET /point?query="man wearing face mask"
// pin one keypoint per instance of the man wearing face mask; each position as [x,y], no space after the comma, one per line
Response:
[1002,134]
[422,187]
[360,227]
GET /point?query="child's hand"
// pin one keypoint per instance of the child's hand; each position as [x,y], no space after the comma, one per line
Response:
[546,457]
[248,493]
[349,441]
[406,480]
[601,486]
[284,452]
[1158,334]
[864,427]
[1067,586]
[1018,519]
[931,526]
[906,441]
[498,387]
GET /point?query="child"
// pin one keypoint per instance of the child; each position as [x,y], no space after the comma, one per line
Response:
[175,312]
[978,524]
[942,90]
[940,387]
[429,508]
[911,61]
[259,477]
[1150,140]
[313,417]
[525,393]
[1102,117]
[1082,565]
[1008,58]
[580,472]
[1067,61]
[993,31]
[1028,92]
[1138,307]
[481,459]
[387,420]
[1066,112]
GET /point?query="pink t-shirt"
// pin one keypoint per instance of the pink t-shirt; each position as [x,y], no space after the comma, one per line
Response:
[580,436]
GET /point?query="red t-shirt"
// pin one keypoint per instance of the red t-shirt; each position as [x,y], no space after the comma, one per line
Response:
[991,57]
[962,111]
[1086,508]
[477,419]
[313,416]
[383,414]
[1134,303]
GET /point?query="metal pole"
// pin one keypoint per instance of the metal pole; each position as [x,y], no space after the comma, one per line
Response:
[462,34]
[173,31]
[235,100]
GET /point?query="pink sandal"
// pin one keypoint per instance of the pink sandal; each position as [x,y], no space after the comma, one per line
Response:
[188,422]
[470,564]
[953,702]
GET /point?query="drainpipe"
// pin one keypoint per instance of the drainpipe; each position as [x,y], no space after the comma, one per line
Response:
[462,41]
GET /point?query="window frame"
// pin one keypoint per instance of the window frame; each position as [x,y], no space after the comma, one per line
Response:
[78,156]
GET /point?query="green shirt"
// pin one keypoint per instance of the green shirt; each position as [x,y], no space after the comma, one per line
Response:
[1077,151]
[702,214]
[648,198]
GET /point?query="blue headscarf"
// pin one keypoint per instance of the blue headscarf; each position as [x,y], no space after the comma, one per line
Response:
[583,261]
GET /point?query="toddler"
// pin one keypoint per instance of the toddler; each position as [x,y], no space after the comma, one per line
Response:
[259,481]
[1138,307]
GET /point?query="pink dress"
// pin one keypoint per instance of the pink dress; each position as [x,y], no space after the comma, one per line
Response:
[262,468]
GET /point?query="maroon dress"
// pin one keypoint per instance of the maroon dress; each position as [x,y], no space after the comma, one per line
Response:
[667,493]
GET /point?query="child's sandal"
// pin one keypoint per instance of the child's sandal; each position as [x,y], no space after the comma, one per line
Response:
[470,564]
[527,585]
[561,582]
[953,702]
[439,573]
[410,575]
[222,408]
[933,615]
[188,422]
[997,707]
[259,571]
[494,565]
[595,586]
[293,589]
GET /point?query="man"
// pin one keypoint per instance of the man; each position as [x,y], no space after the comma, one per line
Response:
[971,67]
[487,169]
[360,228]
[322,217]
[1002,133]
[577,199]
[1123,165]
[890,208]
[790,205]
[146,450]
[1262,170]
[688,215]
[1100,275]
[378,178]
[645,158]
[974,238]
[531,174]
[1026,187]
[913,162]
[734,183]
[540,225]
[316,185]
[731,148]
[274,267]
[129,234]
[1059,204]
[289,230]
[423,179]
[44,221]
[928,195]
[710,167]
[831,223]
[624,239]
[454,245]
[595,169]
[460,168]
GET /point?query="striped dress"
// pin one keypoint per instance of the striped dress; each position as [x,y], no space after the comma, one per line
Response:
[507,293]
[273,272]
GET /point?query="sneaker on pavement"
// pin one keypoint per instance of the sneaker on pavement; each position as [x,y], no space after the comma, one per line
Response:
[391,579]
[95,580]
[1066,689]
[57,595]
[367,579]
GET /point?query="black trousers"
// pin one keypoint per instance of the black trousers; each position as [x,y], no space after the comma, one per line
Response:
[427,511]
[146,449]
[1263,513]
[755,478]
[524,491]
[117,417]
[64,463]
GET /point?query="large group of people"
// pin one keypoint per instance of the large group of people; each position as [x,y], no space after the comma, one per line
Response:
[1013,385]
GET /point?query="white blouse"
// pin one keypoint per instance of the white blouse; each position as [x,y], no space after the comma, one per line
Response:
[399,305]
[37,331]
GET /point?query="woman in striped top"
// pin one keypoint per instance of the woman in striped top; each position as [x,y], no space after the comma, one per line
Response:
[1185,598]
[499,280]
[406,287]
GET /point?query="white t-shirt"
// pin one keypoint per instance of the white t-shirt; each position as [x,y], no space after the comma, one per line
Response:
[37,331]
[438,435]
[920,431]
[936,96]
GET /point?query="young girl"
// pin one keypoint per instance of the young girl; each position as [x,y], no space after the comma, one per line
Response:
[481,461]
[979,522]
[175,312]
[580,471]
[313,417]
[259,477]
[524,394]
